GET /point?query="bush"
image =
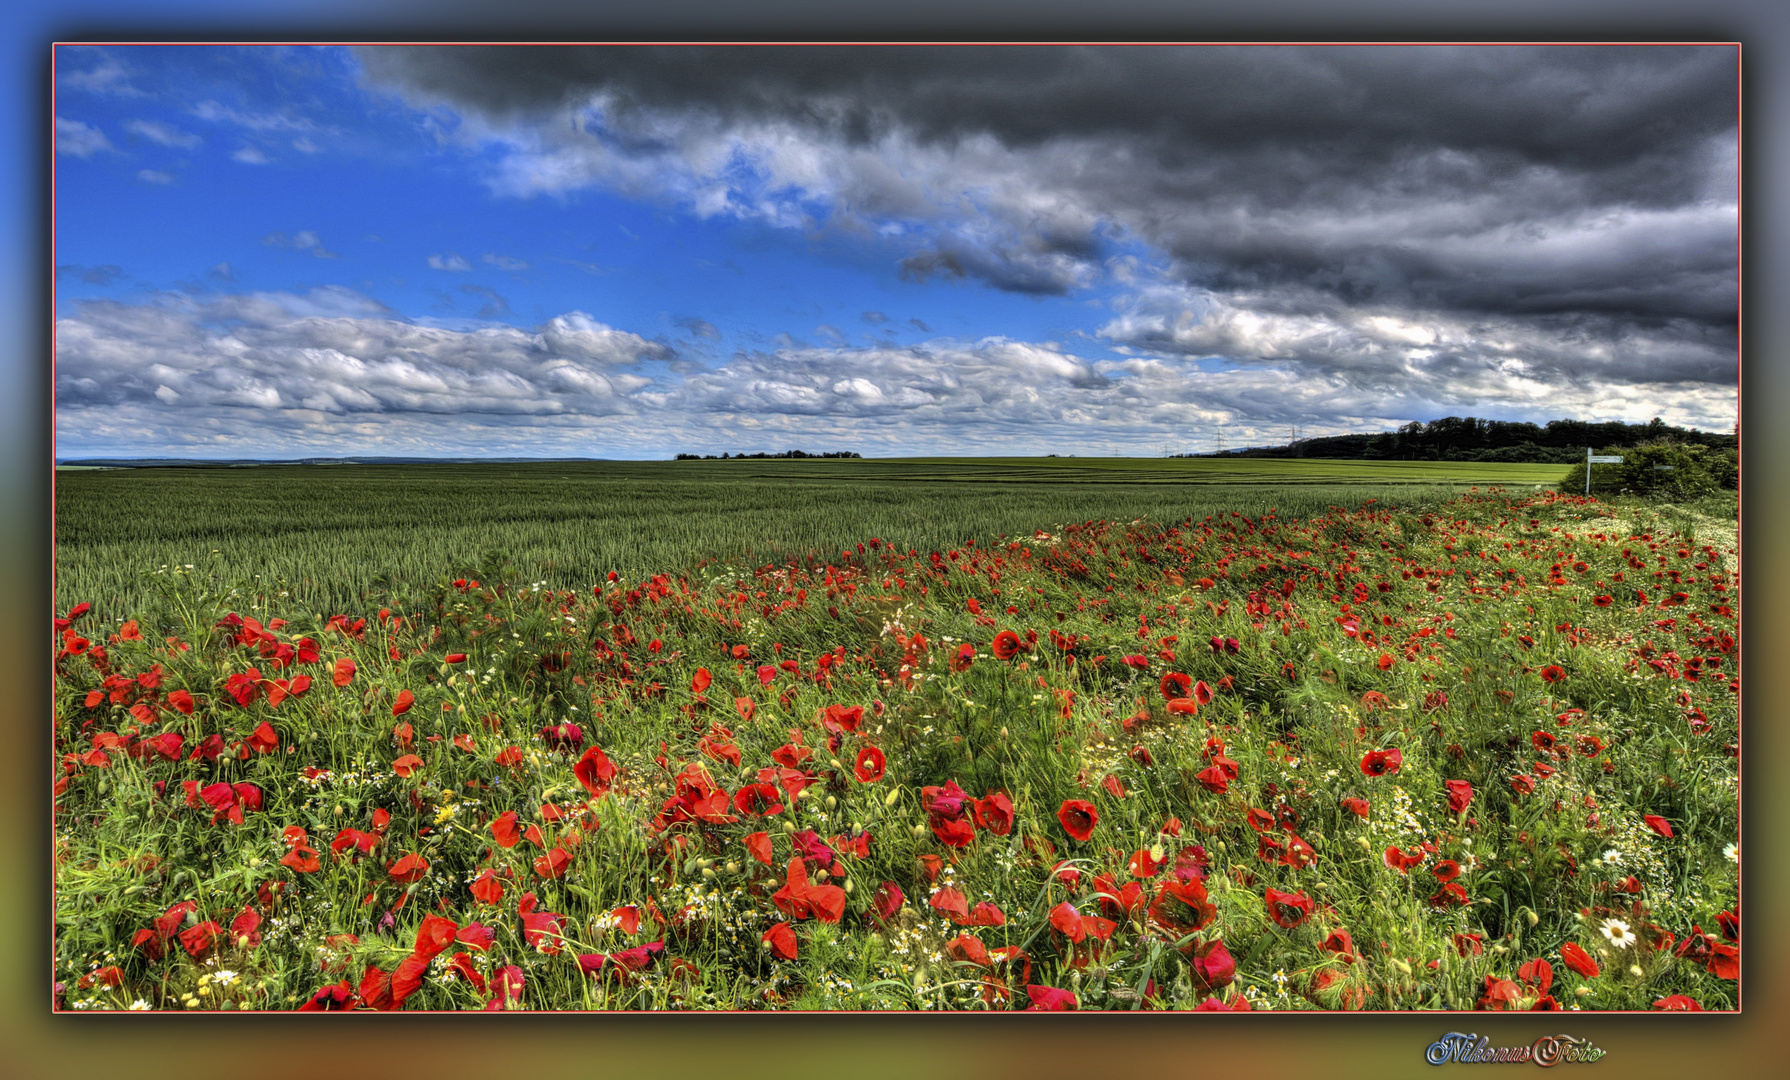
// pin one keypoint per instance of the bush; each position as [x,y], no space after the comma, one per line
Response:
[1660,470]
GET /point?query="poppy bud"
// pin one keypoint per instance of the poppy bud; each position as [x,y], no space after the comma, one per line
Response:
[708,873]
[920,830]
[1366,844]
[1583,991]
[1401,967]
[1220,845]
[192,918]
[1635,970]
[835,763]
[1003,733]
[1533,918]
[831,802]
[894,794]
[789,826]
[733,867]
[848,885]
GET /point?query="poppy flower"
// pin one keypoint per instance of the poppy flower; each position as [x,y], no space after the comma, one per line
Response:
[1183,706]
[201,939]
[953,832]
[1523,785]
[1537,973]
[1214,778]
[1355,805]
[504,828]
[1288,910]
[1137,660]
[182,701]
[486,889]
[1078,818]
[409,868]
[1382,762]
[403,703]
[1446,870]
[994,813]
[950,902]
[1469,943]
[1401,861]
[887,901]
[780,939]
[759,800]
[334,998]
[1182,907]
[1579,960]
[407,764]
[554,863]
[1460,793]
[1659,825]
[1338,942]
[1176,685]
[1553,673]
[563,736]
[1050,999]
[758,845]
[594,770]
[1449,894]
[963,657]
[1068,921]
[1007,645]
[700,681]
[1677,1003]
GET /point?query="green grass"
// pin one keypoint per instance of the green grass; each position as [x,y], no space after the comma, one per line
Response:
[335,537]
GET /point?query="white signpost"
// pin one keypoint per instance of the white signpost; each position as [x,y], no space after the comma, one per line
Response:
[1597,459]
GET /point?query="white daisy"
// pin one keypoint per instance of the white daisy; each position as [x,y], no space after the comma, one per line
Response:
[1618,933]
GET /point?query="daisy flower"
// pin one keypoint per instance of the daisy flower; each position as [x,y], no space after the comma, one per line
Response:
[1617,933]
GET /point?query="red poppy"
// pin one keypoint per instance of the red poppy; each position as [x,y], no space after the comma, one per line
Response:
[1355,805]
[1659,825]
[509,755]
[181,700]
[953,832]
[554,863]
[950,902]
[201,939]
[1176,685]
[1182,907]
[1137,660]
[504,828]
[700,681]
[1449,894]
[1460,793]
[1385,662]
[1553,673]
[402,705]
[1212,967]
[486,889]
[1050,999]
[1401,861]
[759,800]
[1339,942]
[1183,706]
[563,736]
[1579,960]
[1469,943]
[886,903]
[781,941]
[1214,778]
[1288,910]
[594,770]
[409,868]
[1446,870]
[407,764]
[1382,762]
[1078,818]
[1523,785]
[758,845]
[1677,1003]
[1007,645]
[994,813]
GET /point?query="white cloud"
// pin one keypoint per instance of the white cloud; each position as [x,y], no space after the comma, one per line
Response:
[222,114]
[450,262]
[304,240]
[78,139]
[154,176]
[248,155]
[504,262]
[109,76]
[162,134]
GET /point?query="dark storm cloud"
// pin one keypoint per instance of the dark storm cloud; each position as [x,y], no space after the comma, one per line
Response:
[1248,165]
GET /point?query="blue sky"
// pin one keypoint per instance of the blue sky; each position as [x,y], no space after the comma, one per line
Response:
[297,251]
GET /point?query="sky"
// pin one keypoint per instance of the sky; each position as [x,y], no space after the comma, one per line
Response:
[631,252]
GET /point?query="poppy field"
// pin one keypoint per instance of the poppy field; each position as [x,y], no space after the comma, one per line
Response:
[1463,750]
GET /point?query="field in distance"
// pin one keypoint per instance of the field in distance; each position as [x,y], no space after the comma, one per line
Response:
[342,536]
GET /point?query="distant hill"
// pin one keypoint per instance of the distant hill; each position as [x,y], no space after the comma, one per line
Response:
[1456,438]
[226,463]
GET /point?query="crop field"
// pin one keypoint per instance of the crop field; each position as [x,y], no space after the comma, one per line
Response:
[336,536]
[918,735]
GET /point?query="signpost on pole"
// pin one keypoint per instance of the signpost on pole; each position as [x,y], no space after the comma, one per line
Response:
[1597,459]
